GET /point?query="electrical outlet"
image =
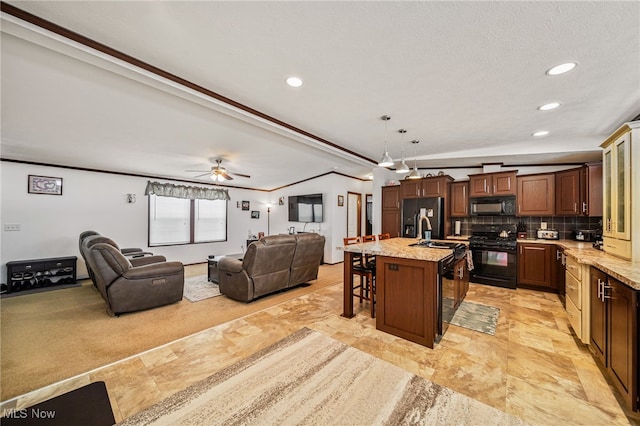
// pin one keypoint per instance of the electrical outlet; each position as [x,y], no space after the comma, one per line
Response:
[12,227]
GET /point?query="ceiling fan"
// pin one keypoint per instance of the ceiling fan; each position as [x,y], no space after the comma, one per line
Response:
[218,173]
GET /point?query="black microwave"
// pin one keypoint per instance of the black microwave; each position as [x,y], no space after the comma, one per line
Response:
[493,206]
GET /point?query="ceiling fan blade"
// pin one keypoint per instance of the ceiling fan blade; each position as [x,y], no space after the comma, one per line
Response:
[241,175]
[198,171]
[204,174]
[225,175]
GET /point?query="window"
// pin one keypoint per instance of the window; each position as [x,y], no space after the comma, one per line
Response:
[183,221]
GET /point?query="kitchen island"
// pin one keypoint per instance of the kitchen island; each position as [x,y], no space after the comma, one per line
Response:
[407,293]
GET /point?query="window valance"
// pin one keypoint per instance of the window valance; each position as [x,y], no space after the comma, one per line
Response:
[182,191]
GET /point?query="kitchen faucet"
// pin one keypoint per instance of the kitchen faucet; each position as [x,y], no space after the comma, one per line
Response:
[422,216]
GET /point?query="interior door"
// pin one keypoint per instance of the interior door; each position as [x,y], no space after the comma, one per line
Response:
[354,214]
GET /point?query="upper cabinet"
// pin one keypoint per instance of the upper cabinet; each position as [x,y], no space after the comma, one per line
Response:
[621,224]
[391,217]
[459,199]
[435,186]
[502,183]
[536,195]
[579,191]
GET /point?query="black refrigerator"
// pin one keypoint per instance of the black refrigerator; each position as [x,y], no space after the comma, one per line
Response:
[433,210]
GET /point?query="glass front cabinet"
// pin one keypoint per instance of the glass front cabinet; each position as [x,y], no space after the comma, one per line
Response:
[618,175]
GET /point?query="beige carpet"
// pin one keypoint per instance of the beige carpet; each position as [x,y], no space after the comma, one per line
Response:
[311,379]
[51,336]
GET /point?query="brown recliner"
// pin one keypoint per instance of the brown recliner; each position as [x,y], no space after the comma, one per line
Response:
[271,264]
[128,288]
[134,254]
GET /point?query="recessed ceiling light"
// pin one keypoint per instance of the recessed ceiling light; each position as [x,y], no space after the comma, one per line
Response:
[547,107]
[541,133]
[562,68]
[294,81]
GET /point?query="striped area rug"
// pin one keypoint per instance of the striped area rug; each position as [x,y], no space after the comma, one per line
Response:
[311,379]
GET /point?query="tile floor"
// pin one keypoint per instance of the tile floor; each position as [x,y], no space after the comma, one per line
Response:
[533,368]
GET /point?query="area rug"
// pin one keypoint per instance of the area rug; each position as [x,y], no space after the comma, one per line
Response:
[199,288]
[311,379]
[476,317]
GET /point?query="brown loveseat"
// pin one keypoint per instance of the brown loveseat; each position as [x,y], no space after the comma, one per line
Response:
[271,264]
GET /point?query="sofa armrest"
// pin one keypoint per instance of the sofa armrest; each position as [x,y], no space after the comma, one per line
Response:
[229,264]
[137,254]
[154,270]
[147,260]
[130,250]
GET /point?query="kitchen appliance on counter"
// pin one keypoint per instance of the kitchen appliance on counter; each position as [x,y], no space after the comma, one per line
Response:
[494,249]
[548,234]
[493,206]
[427,210]
[587,235]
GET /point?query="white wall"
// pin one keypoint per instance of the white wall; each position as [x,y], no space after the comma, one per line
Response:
[50,224]
[334,227]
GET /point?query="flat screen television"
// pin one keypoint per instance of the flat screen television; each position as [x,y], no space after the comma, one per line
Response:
[305,208]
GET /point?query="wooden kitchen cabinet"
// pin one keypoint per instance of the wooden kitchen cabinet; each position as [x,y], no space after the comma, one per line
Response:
[598,320]
[614,333]
[461,281]
[536,195]
[534,265]
[459,199]
[486,184]
[558,269]
[391,210]
[436,186]
[621,168]
[579,191]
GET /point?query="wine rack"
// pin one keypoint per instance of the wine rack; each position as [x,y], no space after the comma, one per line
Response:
[38,274]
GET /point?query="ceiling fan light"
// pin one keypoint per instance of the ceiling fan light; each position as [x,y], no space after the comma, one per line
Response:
[403,168]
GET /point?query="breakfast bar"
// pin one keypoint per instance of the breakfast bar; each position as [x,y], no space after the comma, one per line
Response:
[408,296]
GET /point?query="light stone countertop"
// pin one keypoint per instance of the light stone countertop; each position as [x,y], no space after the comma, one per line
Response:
[625,271]
[398,247]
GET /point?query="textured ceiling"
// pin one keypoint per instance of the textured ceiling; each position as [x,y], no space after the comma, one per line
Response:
[463,77]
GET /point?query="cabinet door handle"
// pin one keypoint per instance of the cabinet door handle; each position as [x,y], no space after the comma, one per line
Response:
[599,289]
[604,291]
[584,207]
[558,255]
[575,207]
[494,189]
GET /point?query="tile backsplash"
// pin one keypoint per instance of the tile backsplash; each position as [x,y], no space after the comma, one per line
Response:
[566,225]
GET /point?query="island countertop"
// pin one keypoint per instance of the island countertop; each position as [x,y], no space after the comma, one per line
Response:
[398,247]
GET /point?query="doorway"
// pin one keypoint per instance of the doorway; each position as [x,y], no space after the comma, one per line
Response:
[368,214]
[354,214]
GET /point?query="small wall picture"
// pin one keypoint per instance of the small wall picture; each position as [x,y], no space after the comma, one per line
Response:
[340,200]
[255,214]
[281,201]
[44,185]
[245,205]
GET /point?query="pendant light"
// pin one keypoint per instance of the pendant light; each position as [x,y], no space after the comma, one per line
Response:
[414,173]
[386,160]
[403,166]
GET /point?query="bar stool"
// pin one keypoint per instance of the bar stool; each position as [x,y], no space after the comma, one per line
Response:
[366,273]
[384,236]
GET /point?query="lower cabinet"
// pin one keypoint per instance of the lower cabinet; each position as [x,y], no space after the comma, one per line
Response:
[577,300]
[461,281]
[614,332]
[534,265]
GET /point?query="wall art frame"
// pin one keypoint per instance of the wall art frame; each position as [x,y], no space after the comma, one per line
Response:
[47,185]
